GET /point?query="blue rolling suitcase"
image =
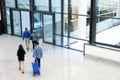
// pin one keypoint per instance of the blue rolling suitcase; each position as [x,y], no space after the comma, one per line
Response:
[35,67]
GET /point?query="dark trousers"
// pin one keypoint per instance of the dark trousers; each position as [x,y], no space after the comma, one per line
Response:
[39,61]
[33,42]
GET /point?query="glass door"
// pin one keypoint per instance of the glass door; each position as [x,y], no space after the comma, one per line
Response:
[25,19]
[38,24]
[44,24]
[20,20]
[16,23]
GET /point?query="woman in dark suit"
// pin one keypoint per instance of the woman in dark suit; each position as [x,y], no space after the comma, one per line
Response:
[21,54]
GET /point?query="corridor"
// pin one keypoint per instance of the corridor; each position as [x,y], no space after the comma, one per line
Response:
[57,63]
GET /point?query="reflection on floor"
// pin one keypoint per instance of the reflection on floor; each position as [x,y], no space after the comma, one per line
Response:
[57,64]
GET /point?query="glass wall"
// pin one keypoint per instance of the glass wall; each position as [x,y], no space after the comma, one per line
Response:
[10,3]
[16,23]
[58,29]
[72,20]
[8,20]
[76,24]
[41,5]
[56,7]
[108,21]
[38,24]
[48,28]
[25,4]
[65,27]
[25,19]
[71,27]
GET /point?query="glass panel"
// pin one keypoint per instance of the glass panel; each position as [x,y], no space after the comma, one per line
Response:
[8,21]
[56,5]
[16,23]
[88,6]
[108,8]
[41,5]
[79,7]
[10,3]
[58,23]
[9,29]
[110,35]
[65,22]
[65,41]
[25,16]
[78,28]
[8,16]
[108,26]
[48,28]
[65,26]
[23,4]
[65,6]
[58,29]
[38,24]
[58,40]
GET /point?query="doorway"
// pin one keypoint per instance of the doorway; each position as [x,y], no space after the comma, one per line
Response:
[20,20]
[44,24]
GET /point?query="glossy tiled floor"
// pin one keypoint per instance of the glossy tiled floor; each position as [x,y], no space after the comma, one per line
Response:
[57,64]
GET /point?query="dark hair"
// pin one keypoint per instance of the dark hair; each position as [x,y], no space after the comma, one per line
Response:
[26,29]
[20,47]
